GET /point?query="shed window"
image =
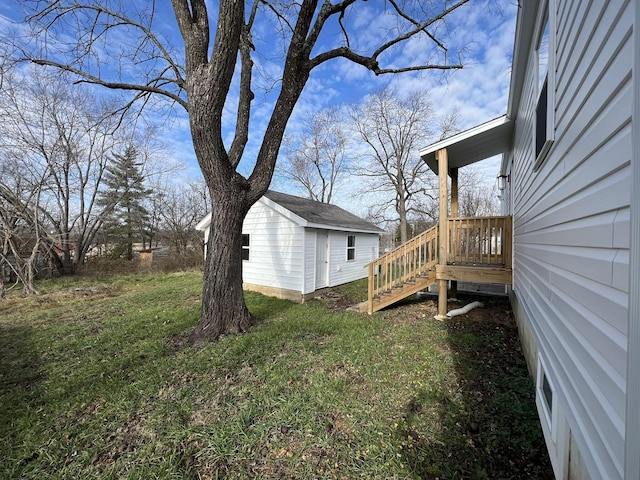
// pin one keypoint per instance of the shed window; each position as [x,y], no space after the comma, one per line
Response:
[351,247]
[543,124]
[245,246]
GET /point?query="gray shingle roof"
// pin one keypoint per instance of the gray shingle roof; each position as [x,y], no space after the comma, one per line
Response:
[321,213]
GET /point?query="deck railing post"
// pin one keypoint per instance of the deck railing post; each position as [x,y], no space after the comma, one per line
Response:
[370,287]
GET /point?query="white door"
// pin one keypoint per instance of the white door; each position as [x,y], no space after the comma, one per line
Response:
[322,260]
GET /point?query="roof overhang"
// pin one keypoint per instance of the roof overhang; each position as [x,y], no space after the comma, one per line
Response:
[477,143]
[203,225]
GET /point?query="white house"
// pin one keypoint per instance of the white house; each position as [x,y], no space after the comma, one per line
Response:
[570,178]
[293,247]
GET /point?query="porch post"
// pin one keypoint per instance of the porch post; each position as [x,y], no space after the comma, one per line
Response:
[453,291]
[453,173]
[443,241]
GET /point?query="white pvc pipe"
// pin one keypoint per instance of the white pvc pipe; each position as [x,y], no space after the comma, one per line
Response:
[465,309]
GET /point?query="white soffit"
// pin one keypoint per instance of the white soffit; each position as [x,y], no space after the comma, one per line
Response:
[477,143]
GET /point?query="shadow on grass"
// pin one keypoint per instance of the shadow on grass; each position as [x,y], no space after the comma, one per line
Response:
[263,307]
[488,422]
[20,391]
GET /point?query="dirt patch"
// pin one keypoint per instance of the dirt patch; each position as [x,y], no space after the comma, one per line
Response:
[124,440]
[335,301]
[496,308]
[85,291]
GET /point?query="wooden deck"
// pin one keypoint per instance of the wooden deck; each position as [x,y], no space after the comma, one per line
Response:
[478,249]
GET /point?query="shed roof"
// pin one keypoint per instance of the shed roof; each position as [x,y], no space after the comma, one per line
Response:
[310,213]
[319,214]
[477,143]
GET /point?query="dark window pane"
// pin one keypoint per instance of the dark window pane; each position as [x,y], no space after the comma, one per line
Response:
[351,247]
[245,246]
[541,119]
[547,392]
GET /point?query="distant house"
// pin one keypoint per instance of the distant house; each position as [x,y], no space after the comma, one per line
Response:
[293,247]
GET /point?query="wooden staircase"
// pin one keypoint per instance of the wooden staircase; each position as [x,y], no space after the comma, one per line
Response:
[478,249]
[403,271]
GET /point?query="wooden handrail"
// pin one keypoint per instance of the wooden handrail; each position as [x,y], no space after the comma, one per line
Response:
[413,258]
[472,241]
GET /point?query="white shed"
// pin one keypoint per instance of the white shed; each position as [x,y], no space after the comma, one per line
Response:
[293,247]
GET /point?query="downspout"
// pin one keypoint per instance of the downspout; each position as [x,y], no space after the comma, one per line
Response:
[466,309]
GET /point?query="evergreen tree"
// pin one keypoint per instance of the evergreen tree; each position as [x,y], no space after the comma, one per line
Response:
[124,197]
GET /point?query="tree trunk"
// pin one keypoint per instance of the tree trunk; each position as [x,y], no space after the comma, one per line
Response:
[401,208]
[223,306]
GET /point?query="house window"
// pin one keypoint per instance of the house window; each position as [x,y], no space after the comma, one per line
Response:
[245,246]
[545,398]
[351,247]
[543,125]
[547,393]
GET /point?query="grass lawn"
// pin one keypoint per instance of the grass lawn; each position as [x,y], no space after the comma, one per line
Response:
[95,384]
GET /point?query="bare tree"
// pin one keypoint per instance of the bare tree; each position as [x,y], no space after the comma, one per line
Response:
[476,197]
[20,232]
[450,123]
[316,158]
[203,84]
[60,139]
[393,128]
[180,208]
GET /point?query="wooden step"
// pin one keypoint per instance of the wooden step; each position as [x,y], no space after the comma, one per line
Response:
[390,297]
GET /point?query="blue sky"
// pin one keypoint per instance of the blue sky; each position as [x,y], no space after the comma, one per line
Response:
[479,91]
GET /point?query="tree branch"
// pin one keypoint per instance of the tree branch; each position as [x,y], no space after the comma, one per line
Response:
[371,62]
[246,95]
[91,79]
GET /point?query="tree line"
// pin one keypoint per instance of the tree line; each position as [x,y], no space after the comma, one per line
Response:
[77,182]
[74,185]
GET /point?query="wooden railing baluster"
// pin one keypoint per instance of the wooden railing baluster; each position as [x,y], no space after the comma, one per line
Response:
[473,241]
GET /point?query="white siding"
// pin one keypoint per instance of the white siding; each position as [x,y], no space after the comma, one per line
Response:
[342,270]
[276,249]
[310,235]
[571,225]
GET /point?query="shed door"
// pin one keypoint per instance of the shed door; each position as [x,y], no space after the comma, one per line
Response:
[322,245]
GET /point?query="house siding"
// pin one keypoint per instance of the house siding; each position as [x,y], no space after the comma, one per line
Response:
[310,236]
[571,225]
[343,270]
[276,250]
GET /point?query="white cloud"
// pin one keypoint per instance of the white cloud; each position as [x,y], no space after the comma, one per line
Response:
[479,91]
